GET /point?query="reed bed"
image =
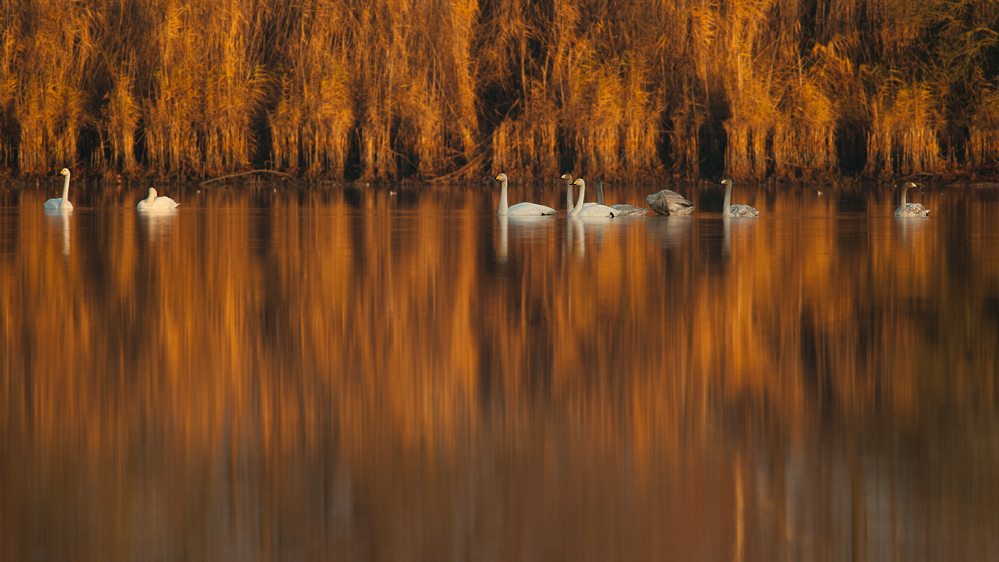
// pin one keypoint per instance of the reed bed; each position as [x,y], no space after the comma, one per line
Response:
[391,89]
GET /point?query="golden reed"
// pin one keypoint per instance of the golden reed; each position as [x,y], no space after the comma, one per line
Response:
[391,89]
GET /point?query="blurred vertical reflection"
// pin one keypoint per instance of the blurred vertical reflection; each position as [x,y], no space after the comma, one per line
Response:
[341,374]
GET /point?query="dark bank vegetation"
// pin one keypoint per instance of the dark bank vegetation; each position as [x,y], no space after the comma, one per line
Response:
[387,89]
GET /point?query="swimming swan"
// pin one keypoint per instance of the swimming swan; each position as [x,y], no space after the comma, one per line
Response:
[154,203]
[669,203]
[63,202]
[520,209]
[910,209]
[582,210]
[568,192]
[622,210]
[730,210]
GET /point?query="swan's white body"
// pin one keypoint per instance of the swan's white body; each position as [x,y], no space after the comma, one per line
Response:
[154,203]
[520,209]
[623,210]
[61,204]
[583,210]
[910,209]
[730,210]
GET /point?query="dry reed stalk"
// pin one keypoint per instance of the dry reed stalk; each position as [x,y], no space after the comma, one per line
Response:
[423,127]
[176,95]
[50,99]
[232,88]
[983,146]
[313,119]
[8,90]
[687,118]
[640,121]
[120,120]
[461,100]
[903,138]
[755,118]
[198,82]
[528,144]
[503,146]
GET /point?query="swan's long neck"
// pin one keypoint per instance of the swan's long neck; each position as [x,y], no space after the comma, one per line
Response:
[727,208]
[503,204]
[600,192]
[902,204]
[65,191]
[579,204]
[568,195]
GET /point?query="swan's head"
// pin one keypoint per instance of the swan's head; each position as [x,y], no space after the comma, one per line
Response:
[908,185]
[152,193]
[567,177]
[727,182]
[579,182]
[501,177]
[64,172]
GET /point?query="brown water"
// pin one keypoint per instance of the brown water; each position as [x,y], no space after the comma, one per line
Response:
[345,374]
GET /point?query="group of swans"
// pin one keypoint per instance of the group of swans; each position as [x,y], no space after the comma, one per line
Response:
[150,203]
[534,210]
[665,202]
[579,209]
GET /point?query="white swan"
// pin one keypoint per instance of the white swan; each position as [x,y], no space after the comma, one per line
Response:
[63,202]
[520,209]
[730,210]
[154,203]
[910,209]
[582,210]
[622,209]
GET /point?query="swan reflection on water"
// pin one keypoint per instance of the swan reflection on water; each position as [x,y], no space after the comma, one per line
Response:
[158,224]
[521,228]
[578,228]
[59,218]
[669,232]
[910,231]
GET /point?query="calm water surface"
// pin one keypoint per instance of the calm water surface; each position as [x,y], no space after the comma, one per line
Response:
[345,374]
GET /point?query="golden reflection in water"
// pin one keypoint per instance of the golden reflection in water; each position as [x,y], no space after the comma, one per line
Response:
[347,374]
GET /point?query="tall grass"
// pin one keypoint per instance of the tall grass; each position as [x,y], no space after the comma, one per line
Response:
[390,88]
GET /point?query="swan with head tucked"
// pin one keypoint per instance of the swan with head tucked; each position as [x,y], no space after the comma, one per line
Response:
[669,203]
[622,209]
[730,210]
[582,210]
[520,209]
[154,203]
[61,204]
[910,209]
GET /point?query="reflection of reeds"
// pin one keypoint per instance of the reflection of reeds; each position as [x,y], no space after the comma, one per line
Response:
[316,333]
[402,335]
[360,89]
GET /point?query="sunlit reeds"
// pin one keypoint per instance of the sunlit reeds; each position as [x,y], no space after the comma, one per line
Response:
[392,89]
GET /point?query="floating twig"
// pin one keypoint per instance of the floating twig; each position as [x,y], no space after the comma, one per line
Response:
[289,176]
